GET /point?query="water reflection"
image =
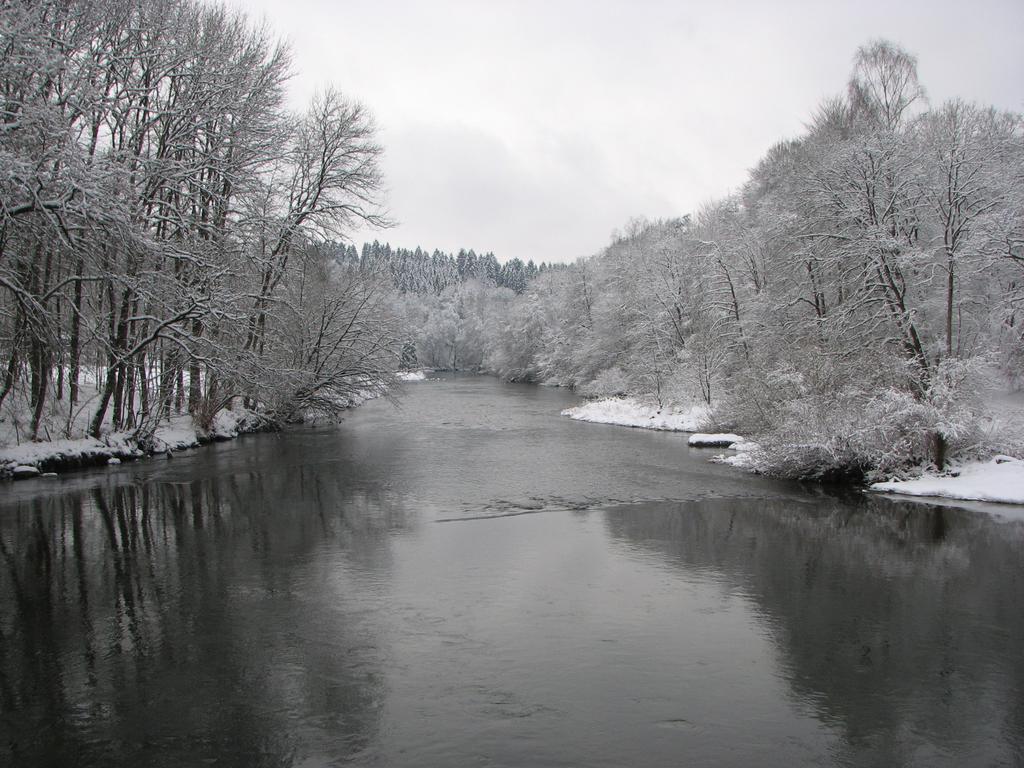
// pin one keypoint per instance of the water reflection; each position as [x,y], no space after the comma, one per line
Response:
[899,624]
[134,614]
[291,600]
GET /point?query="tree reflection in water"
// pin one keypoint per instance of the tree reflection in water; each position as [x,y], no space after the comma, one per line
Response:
[158,624]
[303,614]
[898,624]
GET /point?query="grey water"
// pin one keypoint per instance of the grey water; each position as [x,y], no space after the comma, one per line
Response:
[470,579]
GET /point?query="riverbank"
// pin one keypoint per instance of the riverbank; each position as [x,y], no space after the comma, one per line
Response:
[180,433]
[50,457]
[999,479]
[635,412]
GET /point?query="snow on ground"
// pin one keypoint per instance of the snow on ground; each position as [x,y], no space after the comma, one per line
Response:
[714,440]
[1000,479]
[630,412]
[80,452]
[179,433]
[744,458]
[411,375]
[232,422]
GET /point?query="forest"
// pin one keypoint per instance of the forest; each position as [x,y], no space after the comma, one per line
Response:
[159,205]
[850,307]
[175,241]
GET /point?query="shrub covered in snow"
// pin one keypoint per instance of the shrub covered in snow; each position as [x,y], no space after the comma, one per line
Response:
[807,431]
[611,382]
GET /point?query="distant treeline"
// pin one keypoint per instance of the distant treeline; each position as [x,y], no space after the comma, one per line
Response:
[423,272]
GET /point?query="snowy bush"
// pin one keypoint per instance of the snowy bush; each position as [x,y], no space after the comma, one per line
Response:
[754,402]
[610,382]
[851,432]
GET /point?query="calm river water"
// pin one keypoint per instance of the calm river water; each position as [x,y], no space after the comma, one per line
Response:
[472,580]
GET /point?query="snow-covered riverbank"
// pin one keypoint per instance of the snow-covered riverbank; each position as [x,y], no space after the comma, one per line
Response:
[34,458]
[1000,480]
[407,376]
[30,459]
[632,412]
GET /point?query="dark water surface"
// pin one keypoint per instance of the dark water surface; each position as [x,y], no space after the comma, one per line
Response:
[472,580]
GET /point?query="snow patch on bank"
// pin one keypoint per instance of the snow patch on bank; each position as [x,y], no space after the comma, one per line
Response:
[745,457]
[411,375]
[176,435]
[83,452]
[630,412]
[1000,480]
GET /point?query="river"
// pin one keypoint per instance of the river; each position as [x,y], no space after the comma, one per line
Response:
[469,579]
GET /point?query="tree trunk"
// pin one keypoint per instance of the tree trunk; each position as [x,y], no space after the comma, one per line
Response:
[101,410]
[939,446]
[949,310]
[76,335]
[40,382]
[10,375]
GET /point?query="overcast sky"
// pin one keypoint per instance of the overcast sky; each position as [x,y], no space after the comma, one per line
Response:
[535,129]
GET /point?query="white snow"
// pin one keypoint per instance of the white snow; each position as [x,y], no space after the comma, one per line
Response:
[714,440]
[630,412]
[745,457]
[32,454]
[232,422]
[411,375]
[1000,479]
[178,434]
